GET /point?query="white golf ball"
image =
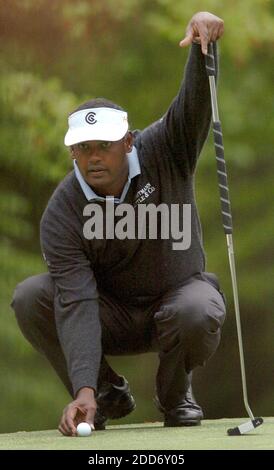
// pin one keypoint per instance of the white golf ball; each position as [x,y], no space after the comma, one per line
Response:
[84,430]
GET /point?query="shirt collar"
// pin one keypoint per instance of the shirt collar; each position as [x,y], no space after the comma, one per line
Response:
[133,170]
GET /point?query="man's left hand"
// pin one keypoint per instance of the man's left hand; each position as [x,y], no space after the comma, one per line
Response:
[203,28]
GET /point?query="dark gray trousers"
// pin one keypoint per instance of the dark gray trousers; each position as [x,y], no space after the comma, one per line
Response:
[184,327]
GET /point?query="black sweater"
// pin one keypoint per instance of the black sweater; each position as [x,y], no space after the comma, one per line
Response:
[134,271]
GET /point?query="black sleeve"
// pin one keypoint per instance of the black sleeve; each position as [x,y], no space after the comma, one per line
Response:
[182,131]
[76,298]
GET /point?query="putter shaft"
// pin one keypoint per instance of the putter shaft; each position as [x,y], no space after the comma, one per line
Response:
[229,240]
[226,210]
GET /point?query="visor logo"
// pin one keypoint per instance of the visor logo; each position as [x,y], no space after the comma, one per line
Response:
[90,118]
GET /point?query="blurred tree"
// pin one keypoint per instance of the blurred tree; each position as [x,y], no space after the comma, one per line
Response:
[32,154]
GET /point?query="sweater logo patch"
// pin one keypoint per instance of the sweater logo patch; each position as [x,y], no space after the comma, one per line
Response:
[143,194]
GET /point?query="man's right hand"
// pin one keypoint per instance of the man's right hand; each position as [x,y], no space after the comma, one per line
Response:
[82,409]
[203,27]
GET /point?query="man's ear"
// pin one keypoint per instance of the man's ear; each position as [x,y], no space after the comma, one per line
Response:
[72,153]
[129,142]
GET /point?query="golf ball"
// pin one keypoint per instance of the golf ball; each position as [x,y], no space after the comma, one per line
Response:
[84,429]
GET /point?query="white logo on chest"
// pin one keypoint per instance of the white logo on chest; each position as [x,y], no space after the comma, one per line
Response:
[143,194]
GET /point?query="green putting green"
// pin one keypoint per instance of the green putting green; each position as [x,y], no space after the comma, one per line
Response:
[148,436]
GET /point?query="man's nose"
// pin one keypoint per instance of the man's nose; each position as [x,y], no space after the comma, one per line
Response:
[94,155]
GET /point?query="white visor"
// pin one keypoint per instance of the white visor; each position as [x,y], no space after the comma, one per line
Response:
[96,124]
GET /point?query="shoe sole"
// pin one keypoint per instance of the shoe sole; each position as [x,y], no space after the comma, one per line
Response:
[182,423]
[99,427]
[125,412]
[109,414]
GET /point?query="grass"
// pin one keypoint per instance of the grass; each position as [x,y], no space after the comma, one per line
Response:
[149,436]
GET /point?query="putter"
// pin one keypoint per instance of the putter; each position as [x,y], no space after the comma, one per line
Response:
[227,224]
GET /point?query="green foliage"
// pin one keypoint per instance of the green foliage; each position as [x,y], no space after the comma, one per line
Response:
[33,114]
[33,159]
[55,55]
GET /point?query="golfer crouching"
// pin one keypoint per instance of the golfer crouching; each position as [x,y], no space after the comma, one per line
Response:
[124,277]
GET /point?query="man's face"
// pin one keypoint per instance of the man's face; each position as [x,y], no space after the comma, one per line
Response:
[104,165]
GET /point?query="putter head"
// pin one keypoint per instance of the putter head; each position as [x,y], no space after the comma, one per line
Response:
[245,427]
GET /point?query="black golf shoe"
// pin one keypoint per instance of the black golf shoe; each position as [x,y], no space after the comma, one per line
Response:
[186,413]
[113,402]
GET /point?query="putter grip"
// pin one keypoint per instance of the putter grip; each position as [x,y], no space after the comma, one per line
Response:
[222,177]
[209,61]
